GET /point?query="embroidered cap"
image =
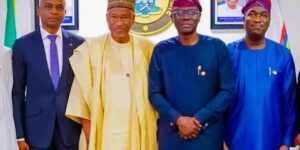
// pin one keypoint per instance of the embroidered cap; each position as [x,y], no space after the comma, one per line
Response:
[121,3]
[252,3]
[185,3]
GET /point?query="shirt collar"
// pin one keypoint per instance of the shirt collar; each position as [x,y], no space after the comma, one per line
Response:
[44,33]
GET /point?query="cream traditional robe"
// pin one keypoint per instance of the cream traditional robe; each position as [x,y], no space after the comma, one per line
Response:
[8,139]
[100,74]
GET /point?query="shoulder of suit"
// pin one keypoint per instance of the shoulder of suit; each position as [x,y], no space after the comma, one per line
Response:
[73,36]
[29,35]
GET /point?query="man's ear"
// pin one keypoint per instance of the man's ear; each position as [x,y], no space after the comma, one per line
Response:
[133,19]
[172,18]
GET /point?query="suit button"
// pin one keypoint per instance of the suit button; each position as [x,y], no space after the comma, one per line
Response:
[171,124]
[206,124]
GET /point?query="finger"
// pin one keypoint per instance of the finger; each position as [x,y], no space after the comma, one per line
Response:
[195,132]
[196,128]
[184,137]
[194,135]
[197,123]
[26,146]
[180,134]
[199,130]
[190,137]
[196,120]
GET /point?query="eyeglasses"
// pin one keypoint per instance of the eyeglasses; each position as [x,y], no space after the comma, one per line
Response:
[263,15]
[182,13]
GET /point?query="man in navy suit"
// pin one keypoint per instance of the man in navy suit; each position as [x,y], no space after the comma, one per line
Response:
[297,121]
[42,82]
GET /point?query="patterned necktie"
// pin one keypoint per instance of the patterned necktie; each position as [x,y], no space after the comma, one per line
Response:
[54,65]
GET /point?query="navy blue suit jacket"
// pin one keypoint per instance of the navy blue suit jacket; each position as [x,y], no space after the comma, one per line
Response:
[37,106]
[297,120]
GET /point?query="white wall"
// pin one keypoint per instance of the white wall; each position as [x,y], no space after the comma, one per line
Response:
[93,23]
[291,14]
[24,17]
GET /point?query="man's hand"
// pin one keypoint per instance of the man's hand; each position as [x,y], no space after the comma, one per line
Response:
[283,147]
[23,145]
[86,125]
[189,127]
[297,140]
[225,146]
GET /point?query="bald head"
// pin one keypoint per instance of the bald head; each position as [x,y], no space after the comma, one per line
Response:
[42,1]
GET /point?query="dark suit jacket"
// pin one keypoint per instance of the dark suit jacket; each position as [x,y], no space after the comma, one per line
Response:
[37,106]
[297,120]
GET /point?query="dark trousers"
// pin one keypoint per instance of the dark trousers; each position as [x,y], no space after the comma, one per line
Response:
[57,143]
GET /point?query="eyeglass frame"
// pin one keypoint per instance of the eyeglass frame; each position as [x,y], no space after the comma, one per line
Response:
[264,16]
[185,13]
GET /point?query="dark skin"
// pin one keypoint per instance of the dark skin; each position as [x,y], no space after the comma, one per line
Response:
[186,25]
[119,22]
[256,22]
[52,13]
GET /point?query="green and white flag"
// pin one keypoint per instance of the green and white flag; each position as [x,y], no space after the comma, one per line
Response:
[10,26]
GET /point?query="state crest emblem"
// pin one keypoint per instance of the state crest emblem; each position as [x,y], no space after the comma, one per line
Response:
[152,16]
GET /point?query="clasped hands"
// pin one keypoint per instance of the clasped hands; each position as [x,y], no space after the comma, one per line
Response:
[189,127]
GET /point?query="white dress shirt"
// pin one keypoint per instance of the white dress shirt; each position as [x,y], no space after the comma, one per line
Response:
[59,44]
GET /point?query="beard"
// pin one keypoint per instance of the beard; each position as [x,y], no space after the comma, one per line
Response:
[187,33]
[256,37]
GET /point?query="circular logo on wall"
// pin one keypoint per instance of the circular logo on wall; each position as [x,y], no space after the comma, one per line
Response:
[152,16]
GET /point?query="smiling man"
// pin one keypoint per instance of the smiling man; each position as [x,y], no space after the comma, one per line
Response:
[42,82]
[109,96]
[190,84]
[263,112]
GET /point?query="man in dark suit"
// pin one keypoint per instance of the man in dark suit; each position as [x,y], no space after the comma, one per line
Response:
[297,120]
[42,82]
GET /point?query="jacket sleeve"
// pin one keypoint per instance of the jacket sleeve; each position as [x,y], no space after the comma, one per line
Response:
[18,90]
[289,91]
[156,89]
[224,97]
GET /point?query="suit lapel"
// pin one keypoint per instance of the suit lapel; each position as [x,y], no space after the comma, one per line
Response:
[40,57]
[67,52]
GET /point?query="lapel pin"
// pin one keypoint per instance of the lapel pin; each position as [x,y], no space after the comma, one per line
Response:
[199,70]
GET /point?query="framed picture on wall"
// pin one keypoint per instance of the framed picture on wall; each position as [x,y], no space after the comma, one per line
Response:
[71,20]
[226,14]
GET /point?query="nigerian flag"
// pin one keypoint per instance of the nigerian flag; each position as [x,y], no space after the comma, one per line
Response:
[10,27]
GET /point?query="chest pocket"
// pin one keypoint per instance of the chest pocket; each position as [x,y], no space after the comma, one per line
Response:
[275,76]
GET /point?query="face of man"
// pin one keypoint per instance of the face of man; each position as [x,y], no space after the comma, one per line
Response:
[119,21]
[257,21]
[52,13]
[186,20]
[232,3]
